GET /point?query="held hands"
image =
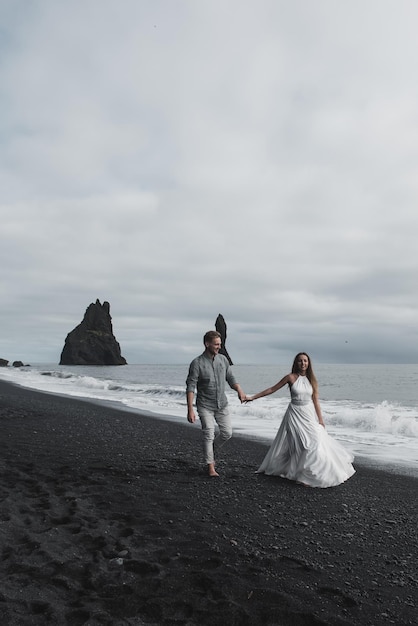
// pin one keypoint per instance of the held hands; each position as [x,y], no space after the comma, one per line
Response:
[241,395]
[244,398]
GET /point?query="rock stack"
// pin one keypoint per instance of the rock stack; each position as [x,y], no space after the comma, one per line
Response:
[220,326]
[92,342]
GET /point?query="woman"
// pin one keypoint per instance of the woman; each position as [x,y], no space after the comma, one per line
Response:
[302,449]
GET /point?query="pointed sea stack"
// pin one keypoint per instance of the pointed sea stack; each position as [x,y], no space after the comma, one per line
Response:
[220,326]
[92,342]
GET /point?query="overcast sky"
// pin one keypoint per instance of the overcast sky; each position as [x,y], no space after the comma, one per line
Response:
[184,158]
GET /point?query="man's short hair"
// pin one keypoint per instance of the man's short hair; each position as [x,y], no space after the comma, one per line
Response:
[210,336]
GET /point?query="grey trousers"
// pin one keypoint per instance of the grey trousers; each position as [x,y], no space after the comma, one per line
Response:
[208,419]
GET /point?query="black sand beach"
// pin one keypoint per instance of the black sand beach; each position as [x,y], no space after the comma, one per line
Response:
[107,517]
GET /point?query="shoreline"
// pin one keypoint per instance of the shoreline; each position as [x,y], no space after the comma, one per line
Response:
[396,467]
[107,517]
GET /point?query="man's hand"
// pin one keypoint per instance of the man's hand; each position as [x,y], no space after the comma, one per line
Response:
[191,417]
[241,395]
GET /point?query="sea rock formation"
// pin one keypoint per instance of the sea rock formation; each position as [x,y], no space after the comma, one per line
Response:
[5,363]
[92,342]
[220,326]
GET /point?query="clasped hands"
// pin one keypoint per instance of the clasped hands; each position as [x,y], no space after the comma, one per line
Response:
[245,399]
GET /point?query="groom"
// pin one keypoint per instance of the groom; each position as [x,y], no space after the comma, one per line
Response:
[209,373]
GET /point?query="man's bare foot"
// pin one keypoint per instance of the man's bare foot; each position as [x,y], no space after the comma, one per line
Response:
[212,470]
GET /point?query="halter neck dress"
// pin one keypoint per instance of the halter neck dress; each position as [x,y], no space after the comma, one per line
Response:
[302,449]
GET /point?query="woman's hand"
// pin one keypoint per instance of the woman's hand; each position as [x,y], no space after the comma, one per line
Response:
[248,399]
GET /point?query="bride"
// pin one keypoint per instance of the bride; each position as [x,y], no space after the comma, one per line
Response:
[302,449]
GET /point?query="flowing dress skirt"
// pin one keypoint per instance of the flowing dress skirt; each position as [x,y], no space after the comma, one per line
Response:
[304,452]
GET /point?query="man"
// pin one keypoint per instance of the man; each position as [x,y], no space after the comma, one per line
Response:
[208,373]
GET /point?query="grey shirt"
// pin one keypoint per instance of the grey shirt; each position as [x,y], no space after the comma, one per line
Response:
[209,377]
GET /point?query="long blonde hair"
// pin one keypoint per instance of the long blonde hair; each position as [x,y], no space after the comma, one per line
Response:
[309,372]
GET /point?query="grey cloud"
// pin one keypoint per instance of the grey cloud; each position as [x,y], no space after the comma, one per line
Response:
[254,160]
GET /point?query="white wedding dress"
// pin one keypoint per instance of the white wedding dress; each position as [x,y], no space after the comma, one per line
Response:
[302,449]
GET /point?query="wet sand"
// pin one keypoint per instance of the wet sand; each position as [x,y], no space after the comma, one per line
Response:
[107,517]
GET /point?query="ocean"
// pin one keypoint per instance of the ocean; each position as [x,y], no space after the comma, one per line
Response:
[371,409]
